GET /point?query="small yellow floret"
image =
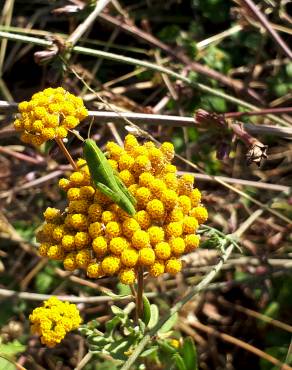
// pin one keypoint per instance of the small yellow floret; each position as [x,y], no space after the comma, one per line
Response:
[177,246]
[200,213]
[192,242]
[94,270]
[68,242]
[130,143]
[143,218]
[140,239]
[108,216]
[99,245]
[55,252]
[52,214]
[173,266]
[129,257]
[130,225]
[190,225]
[169,198]
[73,194]
[146,256]
[94,212]
[156,234]
[145,179]
[126,162]
[171,181]
[168,150]
[64,184]
[162,251]
[118,245]
[185,203]
[174,229]
[156,269]
[127,177]
[127,276]
[43,249]
[58,233]
[155,208]
[195,197]
[111,265]
[78,206]
[87,192]
[81,239]
[69,262]
[114,150]
[78,221]
[142,164]
[143,196]
[113,229]
[83,258]
[95,229]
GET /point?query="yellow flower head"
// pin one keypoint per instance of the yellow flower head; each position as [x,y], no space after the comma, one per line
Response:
[94,234]
[49,114]
[54,320]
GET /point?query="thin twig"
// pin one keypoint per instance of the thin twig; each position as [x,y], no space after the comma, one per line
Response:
[265,23]
[42,297]
[84,26]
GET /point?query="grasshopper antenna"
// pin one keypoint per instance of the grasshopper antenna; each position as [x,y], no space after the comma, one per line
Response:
[77,134]
[90,126]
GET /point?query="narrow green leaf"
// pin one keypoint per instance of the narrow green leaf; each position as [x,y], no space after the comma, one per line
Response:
[146,310]
[149,351]
[168,324]
[179,361]
[165,347]
[154,316]
[189,354]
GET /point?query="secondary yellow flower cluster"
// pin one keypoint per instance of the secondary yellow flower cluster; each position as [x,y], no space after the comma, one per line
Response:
[49,114]
[54,320]
[96,235]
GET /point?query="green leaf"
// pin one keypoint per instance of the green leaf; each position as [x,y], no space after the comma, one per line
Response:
[179,362]
[149,351]
[8,352]
[5,364]
[189,354]
[117,311]
[43,282]
[123,289]
[154,316]
[165,347]
[146,310]
[168,324]
[12,348]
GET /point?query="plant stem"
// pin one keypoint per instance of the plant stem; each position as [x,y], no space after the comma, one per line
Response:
[66,153]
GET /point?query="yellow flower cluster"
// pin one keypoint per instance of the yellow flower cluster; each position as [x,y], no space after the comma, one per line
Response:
[49,114]
[96,235]
[54,320]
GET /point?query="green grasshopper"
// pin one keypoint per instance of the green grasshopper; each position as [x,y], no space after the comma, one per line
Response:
[105,179]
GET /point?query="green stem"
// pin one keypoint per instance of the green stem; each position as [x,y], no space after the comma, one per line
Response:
[152,66]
